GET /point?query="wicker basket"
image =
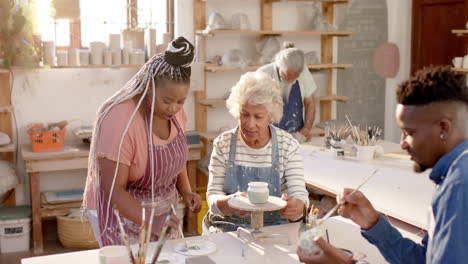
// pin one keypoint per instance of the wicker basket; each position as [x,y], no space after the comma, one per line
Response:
[76,233]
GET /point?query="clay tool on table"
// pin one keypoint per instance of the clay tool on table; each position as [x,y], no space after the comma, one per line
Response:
[124,236]
[343,201]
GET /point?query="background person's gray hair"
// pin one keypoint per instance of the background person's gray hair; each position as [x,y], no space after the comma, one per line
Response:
[291,59]
[256,88]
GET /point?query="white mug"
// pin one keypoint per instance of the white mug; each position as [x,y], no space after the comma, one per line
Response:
[457,62]
[465,61]
[113,255]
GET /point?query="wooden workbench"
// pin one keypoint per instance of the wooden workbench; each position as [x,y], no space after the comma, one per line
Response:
[76,157]
[395,190]
[229,248]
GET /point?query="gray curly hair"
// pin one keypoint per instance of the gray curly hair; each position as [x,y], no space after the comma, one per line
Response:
[256,88]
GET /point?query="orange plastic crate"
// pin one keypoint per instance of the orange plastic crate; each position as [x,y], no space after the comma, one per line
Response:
[47,141]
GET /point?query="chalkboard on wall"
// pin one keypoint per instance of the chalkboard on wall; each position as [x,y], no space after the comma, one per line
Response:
[368,19]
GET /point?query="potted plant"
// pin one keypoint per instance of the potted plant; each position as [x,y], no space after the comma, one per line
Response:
[17,41]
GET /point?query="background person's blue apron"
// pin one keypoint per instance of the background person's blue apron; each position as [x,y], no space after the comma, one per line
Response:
[237,179]
[293,108]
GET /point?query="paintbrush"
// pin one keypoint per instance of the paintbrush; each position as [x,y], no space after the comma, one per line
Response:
[180,228]
[150,225]
[343,201]
[124,235]
[352,127]
[142,236]
[162,237]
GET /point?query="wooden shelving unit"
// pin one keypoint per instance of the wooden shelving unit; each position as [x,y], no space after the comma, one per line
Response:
[460,70]
[6,124]
[460,32]
[212,33]
[74,67]
[7,148]
[212,102]
[215,68]
[324,1]
[334,98]
[266,28]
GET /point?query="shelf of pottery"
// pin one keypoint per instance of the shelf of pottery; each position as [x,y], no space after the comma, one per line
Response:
[257,47]
[131,48]
[460,64]
[8,178]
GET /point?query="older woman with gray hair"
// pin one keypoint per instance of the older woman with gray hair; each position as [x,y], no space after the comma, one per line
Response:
[297,88]
[254,151]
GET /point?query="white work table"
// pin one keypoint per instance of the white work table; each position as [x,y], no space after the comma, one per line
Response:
[395,190]
[342,234]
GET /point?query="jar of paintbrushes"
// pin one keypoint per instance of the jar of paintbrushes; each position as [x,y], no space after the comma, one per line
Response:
[335,138]
[365,141]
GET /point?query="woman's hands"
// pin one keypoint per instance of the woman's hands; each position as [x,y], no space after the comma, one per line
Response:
[224,207]
[193,201]
[159,223]
[293,210]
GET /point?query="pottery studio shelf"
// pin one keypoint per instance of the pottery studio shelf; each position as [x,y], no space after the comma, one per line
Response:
[323,1]
[210,136]
[460,32]
[460,70]
[6,108]
[215,68]
[7,148]
[212,33]
[74,67]
[335,98]
[212,102]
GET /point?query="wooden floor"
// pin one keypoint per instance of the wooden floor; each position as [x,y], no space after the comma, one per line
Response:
[51,245]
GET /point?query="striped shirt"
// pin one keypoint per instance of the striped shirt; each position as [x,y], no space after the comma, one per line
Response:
[291,167]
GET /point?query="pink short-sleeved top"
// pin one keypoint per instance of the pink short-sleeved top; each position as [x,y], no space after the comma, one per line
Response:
[134,152]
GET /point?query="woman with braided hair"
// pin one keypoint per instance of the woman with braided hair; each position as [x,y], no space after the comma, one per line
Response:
[139,150]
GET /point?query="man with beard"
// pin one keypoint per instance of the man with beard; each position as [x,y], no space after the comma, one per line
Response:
[297,88]
[432,113]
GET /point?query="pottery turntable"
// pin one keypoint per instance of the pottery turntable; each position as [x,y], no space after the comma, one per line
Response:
[256,217]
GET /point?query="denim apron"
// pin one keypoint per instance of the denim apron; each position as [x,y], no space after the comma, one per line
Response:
[292,120]
[237,180]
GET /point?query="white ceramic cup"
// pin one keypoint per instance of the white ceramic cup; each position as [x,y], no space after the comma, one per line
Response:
[365,153]
[457,62]
[258,192]
[113,255]
[465,61]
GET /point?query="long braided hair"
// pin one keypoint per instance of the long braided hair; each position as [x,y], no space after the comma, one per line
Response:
[172,65]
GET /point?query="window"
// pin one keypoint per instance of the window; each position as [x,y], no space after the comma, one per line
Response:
[153,14]
[57,30]
[99,18]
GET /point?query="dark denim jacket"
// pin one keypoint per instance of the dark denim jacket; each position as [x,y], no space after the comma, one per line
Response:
[449,243]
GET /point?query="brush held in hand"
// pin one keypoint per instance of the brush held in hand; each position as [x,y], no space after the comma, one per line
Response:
[343,201]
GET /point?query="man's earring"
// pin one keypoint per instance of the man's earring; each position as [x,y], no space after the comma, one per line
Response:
[442,136]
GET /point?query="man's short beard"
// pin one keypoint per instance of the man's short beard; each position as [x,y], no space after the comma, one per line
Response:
[419,168]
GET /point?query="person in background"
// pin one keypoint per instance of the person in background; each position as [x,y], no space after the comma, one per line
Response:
[254,151]
[297,87]
[432,113]
[139,150]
